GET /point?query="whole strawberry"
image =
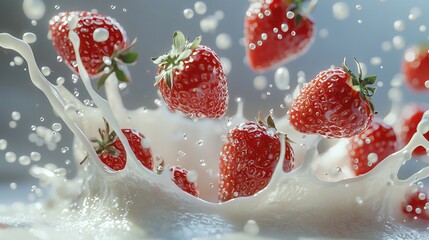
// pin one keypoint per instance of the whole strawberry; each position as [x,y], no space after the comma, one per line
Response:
[411,117]
[112,152]
[416,67]
[336,103]
[103,43]
[370,147]
[416,205]
[181,178]
[276,31]
[191,79]
[249,157]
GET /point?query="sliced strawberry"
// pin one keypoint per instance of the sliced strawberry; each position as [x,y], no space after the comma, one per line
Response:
[336,103]
[249,158]
[370,147]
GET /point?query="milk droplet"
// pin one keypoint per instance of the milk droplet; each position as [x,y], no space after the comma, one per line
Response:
[386,46]
[422,28]
[100,35]
[260,82]
[12,124]
[16,115]
[323,33]
[427,83]
[414,13]
[209,24]
[24,160]
[398,42]
[358,7]
[75,78]
[10,157]
[46,71]
[282,78]
[372,158]
[188,13]
[34,9]
[35,156]
[341,10]
[290,14]
[18,60]
[13,185]
[29,37]
[223,41]
[3,144]
[60,81]
[399,25]
[226,64]
[192,176]
[200,8]
[57,127]
[251,228]
[375,61]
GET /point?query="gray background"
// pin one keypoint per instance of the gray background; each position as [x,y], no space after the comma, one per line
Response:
[153,23]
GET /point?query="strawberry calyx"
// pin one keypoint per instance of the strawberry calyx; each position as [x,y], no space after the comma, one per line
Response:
[105,145]
[173,60]
[298,8]
[269,123]
[361,84]
[118,58]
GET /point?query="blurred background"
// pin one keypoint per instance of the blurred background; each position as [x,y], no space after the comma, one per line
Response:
[375,31]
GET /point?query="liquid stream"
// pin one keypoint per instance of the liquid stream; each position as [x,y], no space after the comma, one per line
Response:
[321,198]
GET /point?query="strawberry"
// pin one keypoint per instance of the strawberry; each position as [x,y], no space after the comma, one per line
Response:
[180,177]
[112,152]
[416,67]
[411,117]
[249,157]
[191,79]
[92,50]
[378,139]
[336,103]
[416,205]
[274,37]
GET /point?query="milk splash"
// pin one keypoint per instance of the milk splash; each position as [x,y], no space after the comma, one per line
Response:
[314,200]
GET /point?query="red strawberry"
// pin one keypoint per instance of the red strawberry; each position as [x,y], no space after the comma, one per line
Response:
[112,152]
[92,49]
[273,36]
[416,67]
[191,79]
[336,103]
[411,117]
[378,139]
[180,177]
[249,158]
[416,205]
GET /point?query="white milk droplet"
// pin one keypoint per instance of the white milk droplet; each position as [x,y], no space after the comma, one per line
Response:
[100,35]
[260,82]
[290,14]
[16,116]
[3,144]
[223,41]
[372,158]
[60,81]
[341,10]
[24,160]
[12,124]
[188,13]
[200,8]
[46,71]
[251,228]
[398,42]
[427,83]
[29,37]
[399,25]
[13,185]
[34,9]
[192,176]
[209,24]
[282,78]
[226,64]
[376,61]
[10,157]
[35,156]
[57,127]
[18,60]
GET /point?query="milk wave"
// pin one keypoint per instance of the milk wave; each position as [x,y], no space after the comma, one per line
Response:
[316,199]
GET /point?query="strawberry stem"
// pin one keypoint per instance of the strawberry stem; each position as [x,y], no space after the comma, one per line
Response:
[360,84]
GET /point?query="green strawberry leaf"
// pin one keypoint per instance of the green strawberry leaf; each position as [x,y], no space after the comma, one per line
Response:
[128,58]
